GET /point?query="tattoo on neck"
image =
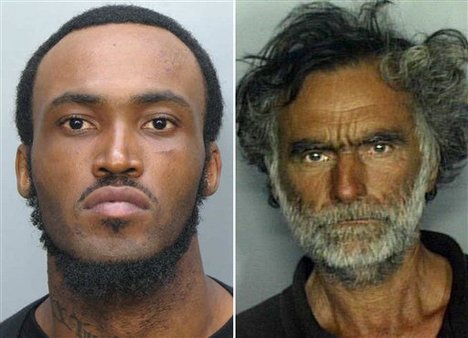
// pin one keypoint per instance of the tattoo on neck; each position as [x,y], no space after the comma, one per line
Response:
[71,321]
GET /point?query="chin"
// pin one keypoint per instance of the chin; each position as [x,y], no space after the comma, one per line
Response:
[115,270]
[115,264]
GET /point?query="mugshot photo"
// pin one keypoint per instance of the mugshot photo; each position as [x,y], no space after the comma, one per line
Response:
[351,139]
[234,168]
[117,216]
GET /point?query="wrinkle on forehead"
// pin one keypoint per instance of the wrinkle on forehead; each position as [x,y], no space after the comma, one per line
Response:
[341,90]
[344,105]
[355,115]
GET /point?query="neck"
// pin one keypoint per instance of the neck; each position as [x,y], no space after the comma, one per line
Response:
[182,307]
[410,301]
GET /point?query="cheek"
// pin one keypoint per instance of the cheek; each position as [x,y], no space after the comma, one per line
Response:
[392,179]
[313,187]
[383,180]
[174,174]
[56,172]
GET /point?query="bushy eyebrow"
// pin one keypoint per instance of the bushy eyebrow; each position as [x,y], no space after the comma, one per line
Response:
[147,98]
[385,136]
[162,96]
[301,146]
[78,98]
[307,144]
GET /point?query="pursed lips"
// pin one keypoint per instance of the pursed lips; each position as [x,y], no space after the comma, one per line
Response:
[112,201]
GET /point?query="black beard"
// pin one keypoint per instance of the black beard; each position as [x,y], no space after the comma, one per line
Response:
[113,281]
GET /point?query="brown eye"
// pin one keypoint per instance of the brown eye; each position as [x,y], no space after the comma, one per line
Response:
[76,123]
[381,148]
[315,157]
[159,123]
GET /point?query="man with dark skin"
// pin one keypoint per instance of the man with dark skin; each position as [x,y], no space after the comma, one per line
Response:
[352,151]
[118,164]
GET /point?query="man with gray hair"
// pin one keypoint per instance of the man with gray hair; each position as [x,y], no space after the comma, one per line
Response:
[356,127]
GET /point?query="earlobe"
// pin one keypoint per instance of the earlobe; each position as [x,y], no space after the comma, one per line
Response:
[213,171]
[433,179]
[431,190]
[23,178]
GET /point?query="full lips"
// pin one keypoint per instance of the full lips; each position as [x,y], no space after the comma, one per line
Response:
[114,201]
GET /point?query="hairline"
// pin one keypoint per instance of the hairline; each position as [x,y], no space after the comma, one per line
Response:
[122,14]
[205,85]
[427,144]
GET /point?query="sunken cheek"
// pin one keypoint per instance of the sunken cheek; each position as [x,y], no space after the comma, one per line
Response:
[385,180]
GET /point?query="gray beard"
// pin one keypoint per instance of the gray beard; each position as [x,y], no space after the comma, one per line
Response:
[358,255]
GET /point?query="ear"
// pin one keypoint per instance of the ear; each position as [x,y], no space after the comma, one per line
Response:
[23,178]
[432,179]
[213,170]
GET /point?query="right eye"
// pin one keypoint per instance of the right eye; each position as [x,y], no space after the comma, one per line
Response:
[76,124]
[315,157]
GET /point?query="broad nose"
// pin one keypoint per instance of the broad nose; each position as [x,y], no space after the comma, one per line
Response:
[349,178]
[118,153]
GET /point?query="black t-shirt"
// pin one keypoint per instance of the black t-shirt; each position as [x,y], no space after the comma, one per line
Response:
[288,314]
[29,328]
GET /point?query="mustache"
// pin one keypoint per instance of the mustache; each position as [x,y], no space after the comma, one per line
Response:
[352,212]
[117,181]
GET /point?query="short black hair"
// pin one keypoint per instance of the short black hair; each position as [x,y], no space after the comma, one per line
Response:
[120,14]
[323,37]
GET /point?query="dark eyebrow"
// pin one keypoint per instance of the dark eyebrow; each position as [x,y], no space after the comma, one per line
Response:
[163,96]
[301,146]
[142,99]
[385,136]
[78,98]
[304,145]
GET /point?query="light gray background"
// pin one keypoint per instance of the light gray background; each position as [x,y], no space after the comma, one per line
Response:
[24,27]
[266,255]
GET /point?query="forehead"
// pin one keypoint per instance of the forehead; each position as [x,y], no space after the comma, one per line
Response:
[119,60]
[346,102]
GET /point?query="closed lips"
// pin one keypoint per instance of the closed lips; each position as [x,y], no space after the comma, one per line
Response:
[112,194]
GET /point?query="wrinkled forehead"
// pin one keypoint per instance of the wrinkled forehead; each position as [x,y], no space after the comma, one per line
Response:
[349,100]
[349,88]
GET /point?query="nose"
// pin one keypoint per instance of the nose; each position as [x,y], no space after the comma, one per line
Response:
[348,178]
[117,153]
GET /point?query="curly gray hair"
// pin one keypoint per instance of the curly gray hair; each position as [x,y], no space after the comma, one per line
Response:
[320,36]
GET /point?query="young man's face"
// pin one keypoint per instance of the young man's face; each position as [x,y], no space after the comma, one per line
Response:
[348,161]
[120,101]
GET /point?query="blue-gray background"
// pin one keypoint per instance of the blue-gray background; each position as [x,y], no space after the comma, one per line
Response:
[265,253]
[25,25]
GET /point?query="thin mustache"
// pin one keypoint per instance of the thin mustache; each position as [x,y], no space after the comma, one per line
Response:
[117,181]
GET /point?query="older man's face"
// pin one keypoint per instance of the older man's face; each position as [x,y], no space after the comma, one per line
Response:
[347,163]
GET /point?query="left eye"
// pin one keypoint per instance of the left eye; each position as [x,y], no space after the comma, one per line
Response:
[381,148]
[159,123]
